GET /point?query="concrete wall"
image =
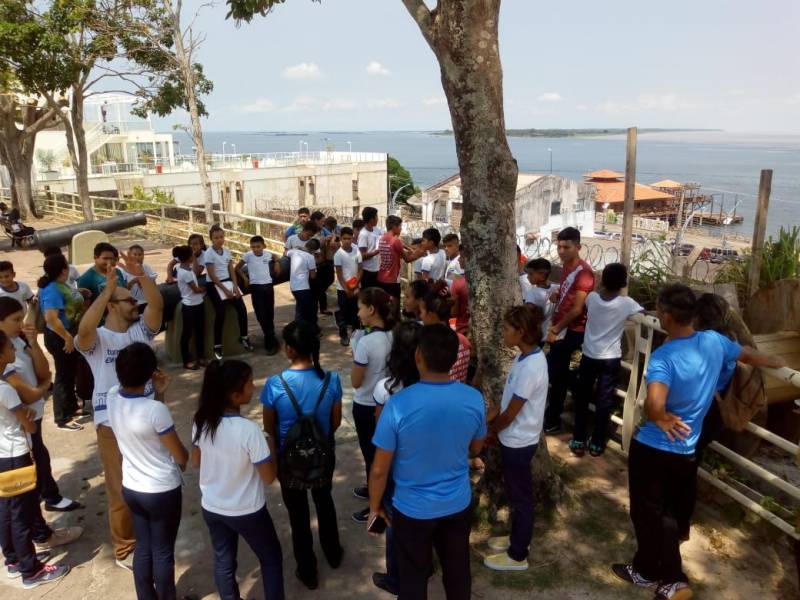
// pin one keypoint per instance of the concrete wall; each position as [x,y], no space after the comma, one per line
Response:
[534,202]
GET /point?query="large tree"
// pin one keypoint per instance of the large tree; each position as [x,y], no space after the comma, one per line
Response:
[463,35]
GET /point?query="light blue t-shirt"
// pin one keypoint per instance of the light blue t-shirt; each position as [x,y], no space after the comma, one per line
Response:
[429,426]
[306,385]
[51,298]
[691,367]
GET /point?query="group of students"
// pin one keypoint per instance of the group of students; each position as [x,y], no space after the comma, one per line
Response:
[411,369]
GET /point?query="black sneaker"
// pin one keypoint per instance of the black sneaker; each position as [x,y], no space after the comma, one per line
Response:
[381,581]
[13,571]
[218,352]
[631,575]
[552,428]
[48,574]
[361,516]
[272,346]
[245,342]
[311,581]
[344,339]
[677,590]
[336,561]
[65,505]
[361,492]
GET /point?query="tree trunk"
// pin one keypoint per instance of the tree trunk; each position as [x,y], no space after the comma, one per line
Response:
[463,35]
[17,140]
[81,166]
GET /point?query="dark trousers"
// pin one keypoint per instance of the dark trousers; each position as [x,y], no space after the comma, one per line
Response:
[296,502]
[194,324]
[84,381]
[369,279]
[393,289]
[45,483]
[558,370]
[391,555]
[325,277]
[263,297]
[305,308]
[65,403]
[347,315]
[220,305]
[603,373]
[258,531]
[518,483]
[155,520]
[660,487]
[17,517]
[364,419]
[414,541]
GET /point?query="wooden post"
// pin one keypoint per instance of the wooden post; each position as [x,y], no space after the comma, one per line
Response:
[630,190]
[759,231]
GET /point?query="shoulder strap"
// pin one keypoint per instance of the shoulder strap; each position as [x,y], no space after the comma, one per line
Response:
[291,395]
[324,390]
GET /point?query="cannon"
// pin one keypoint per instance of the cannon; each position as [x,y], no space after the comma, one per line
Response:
[61,236]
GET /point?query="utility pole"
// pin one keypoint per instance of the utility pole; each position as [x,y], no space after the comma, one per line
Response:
[759,231]
[630,190]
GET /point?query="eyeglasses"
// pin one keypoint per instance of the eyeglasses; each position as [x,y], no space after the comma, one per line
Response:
[131,301]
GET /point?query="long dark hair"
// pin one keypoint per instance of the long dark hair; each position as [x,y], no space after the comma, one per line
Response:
[302,337]
[9,306]
[401,365]
[382,302]
[221,380]
[438,301]
[53,267]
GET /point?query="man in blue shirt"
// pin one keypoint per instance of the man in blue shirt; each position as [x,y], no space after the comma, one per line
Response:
[303,215]
[681,378]
[432,498]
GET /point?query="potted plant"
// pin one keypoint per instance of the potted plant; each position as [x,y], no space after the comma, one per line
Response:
[47,159]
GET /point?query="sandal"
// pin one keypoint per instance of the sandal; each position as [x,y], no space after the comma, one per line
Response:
[577,448]
[596,450]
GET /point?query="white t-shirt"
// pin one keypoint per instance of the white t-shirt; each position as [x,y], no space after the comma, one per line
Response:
[23,294]
[524,284]
[188,296]
[102,358]
[381,395]
[138,423]
[454,270]
[539,296]
[349,262]
[605,322]
[435,265]
[220,262]
[528,381]
[302,263]
[136,290]
[258,267]
[229,482]
[368,240]
[13,440]
[23,366]
[371,352]
[294,242]
[417,265]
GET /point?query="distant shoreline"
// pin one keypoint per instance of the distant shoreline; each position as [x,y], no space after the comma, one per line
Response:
[562,133]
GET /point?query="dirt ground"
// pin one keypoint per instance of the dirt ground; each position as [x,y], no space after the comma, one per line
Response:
[731,555]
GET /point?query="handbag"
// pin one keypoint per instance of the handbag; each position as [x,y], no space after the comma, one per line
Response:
[20,480]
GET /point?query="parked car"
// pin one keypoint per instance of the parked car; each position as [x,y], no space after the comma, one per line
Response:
[721,255]
[682,249]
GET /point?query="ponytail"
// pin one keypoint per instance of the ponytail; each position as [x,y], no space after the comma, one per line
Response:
[438,301]
[220,381]
[383,304]
[53,267]
[302,337]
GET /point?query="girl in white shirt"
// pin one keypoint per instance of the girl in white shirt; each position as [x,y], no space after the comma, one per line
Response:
[152,460]
[518,427]
[235,461]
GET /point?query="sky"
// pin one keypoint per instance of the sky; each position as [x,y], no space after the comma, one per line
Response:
[355,65]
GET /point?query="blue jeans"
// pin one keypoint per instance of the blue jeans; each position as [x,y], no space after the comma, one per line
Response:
[156,518]
[258,531]
[518,482]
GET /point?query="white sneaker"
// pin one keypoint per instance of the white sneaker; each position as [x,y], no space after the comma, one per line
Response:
[500,543]
[126,563]
[503,562]
[60,537]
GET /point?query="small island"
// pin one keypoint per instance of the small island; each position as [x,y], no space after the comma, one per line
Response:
[561,133]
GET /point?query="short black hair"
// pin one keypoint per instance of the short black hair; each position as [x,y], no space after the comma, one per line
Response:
[213,229]
[312,245]
[615,277]
[330,222]
[438,345]
[182,253]
[257,239]
[358,223]
[105,247]
[346,231]
[135,365]
[539,264]
[303,211]
[416,241]
[393,221]
[136,247]
[317,215]
[679,301]
[51,250]
[311,226]
[432,234]
[368,213]
[450,237]
[569,234]
[6,265]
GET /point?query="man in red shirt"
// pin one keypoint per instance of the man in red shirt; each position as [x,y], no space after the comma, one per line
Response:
[460,293]
[392,250]
[569,322]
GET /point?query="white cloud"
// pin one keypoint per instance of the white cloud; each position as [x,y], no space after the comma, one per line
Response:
[307,71]
[261,105]
[382,103]
[301,103]
[376,68]
[435,101]
[549,97]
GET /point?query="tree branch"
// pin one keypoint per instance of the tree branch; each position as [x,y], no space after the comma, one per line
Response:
[423,17]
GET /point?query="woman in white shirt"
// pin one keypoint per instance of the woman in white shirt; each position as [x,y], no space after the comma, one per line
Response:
[235,462]
[152,460]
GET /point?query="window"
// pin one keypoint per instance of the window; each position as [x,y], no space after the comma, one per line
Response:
[355,190]
[555,208]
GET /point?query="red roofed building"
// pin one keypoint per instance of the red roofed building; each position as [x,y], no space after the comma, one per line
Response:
[610,189]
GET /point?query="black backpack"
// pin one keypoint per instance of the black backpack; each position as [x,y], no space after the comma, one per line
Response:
[306,461]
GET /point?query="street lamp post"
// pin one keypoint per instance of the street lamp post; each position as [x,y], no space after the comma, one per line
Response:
[550,150]
[234,150]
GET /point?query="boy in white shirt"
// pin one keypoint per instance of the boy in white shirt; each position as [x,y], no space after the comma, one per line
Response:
[299,239]
[416,244]
[259,278]
[452,249]
[434,264]
[539,288]
[303,268]
[607,312]
[368,239]
[192,308]
[349,269]
[136,254]
[19,290]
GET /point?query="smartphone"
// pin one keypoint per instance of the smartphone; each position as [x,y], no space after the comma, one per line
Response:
[377,525]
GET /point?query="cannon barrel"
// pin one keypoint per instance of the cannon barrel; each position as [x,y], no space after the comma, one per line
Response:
[61,236]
